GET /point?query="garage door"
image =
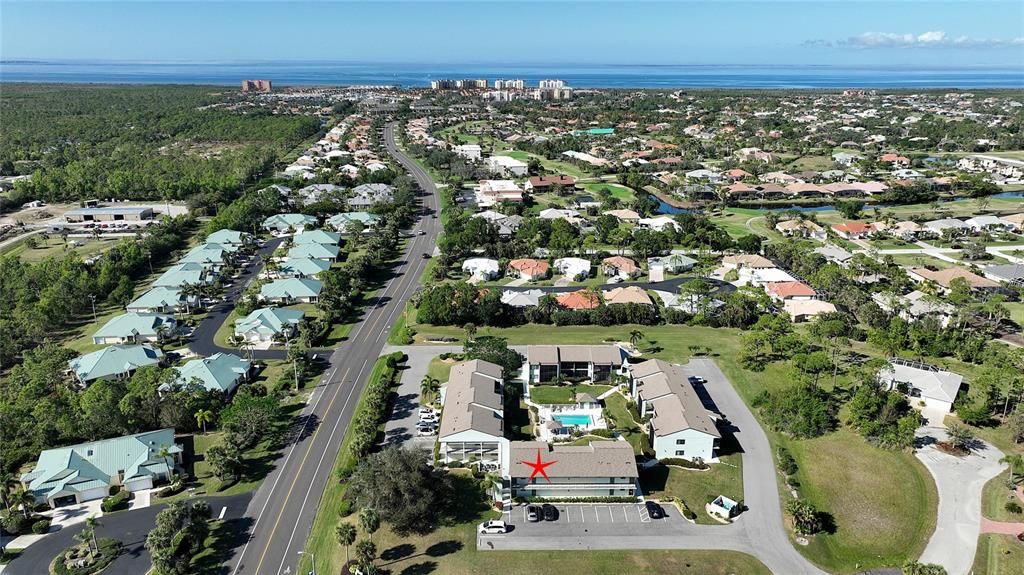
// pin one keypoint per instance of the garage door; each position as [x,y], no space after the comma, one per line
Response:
[139,484]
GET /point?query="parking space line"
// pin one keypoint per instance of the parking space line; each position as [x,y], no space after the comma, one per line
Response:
[625,516]
[597,517]
[582,518]
[610,514]
[565,512]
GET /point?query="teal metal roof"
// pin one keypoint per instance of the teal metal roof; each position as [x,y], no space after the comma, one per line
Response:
[317,237]
[291,288]
[86,466]
[228,237]
[339,221]
[206,254]
[158,297]
[269,320]
[135,324]
[181,274]
[303,267]
[114,361]
[220,372]
[283,221]
[315,251]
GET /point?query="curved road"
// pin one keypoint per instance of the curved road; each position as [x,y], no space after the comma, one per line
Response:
[285,505]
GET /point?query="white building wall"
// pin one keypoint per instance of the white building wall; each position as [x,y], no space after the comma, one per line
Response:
[696,445]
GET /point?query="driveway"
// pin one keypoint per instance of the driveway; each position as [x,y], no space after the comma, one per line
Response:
[400,428]
[959,481]
[130,527]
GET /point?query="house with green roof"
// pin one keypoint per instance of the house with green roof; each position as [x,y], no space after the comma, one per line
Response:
[315,251]
[114,362]
[222,372]
[291,290]
[341,222]
[188,273]
[300,268]
[267,323]
[211,256]
[317,237]
[284,224]
[162,300]
[230,237]
[136,328]
[87,471]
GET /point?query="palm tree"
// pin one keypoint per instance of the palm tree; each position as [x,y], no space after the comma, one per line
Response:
[165,454]
[204,416]
[470,331]
[346,533]
[429,386]
[25,499]
[635,336]
[91,523]
[1015,461]
[369,520]
[366,552]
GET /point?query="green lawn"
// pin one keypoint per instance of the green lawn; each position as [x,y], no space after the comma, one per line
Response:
[815,163]
[1016,312]
[440,368]
[883,502]
[696,488]
[626,422]
[619,191]
[998,555]
[917,260]
[995,497]
[551,394]
[55,247]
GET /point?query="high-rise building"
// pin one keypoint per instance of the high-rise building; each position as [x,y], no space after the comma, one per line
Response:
[552,84]
[256,85]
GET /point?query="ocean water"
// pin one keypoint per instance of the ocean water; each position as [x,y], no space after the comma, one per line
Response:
[595,76]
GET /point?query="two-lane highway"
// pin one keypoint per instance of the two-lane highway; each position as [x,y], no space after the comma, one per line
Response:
[285,505]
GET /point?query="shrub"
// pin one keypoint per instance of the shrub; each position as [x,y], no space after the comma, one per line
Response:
[41,526]
[786,462]
[686,463]
[602,433]
[115,502]
[1013,507]
[16,523]
[345,508]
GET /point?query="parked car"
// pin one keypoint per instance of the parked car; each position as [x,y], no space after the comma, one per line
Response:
[654,511]
[615,279]
[428,416]
[427,411]
[697,379]
[425,424]
[533,513]
[425,431]
[493,527]
[550,512]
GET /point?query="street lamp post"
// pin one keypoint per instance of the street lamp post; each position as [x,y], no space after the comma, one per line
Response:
[92,298]
[312,557]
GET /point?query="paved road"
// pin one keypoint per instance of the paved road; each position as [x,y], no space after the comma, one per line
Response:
[130,527]
[959,481]
[286,503]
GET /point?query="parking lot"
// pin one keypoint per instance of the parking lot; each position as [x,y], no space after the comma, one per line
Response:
[595,519]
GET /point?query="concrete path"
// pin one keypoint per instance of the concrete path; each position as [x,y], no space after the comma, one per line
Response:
[959,481]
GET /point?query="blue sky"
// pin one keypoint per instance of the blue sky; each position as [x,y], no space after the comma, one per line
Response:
[850,32]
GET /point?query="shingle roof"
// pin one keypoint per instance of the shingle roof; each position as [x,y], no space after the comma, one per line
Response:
[472,399]
[676,405]
[552,354]
[598,459]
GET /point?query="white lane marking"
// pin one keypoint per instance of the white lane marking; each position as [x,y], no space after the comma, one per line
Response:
[596,516]
[625,516]
[223,510]
[582,518]
[610,514]
[330,441]
[568,518]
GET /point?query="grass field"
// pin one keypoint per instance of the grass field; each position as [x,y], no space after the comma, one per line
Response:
[883,503]
[54,246]
[619,191]
[697,488]
[995,497]
[998,555]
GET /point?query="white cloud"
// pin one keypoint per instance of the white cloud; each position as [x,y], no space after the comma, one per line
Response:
[930,39]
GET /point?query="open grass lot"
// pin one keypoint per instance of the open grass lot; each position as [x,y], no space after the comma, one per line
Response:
[994,498]
[54,246]
[998,555]
[917,260]
[616,190]
[816,163]
[882,502]
[697,488]
[551,394]
[552,166]
[440,369]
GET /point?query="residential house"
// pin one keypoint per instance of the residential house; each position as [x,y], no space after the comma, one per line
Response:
[493,192]
[367,195]
[268,324]
[780,178]
[631,217]
[575,269]
[572,362]
[473,421]
[314,193]
[672,263]
[528,298]
[801,310]
[944,278]
[980,224]
[1008,273]
[213,257]
[481,269]
[935,388]
[136,328]
[760,276]
[599,469]
[620,266]
[231,238]
[222,372]
[679,426]
[749,261]
[284,224]
[785,291]
[529,269]
[627,294]
[658,223]
[114,362]
[506,166]
[317,237]
[834,254]
[87,471]
[895,160]
[299,267]
[582,299]
[343,222]
[163,300]
[291,290]
[689,304]
[915,306]
[469,151]
[1014,221]
[801,229]
[853,230]
[941,225]
[906,231]
[541,184]
[803,190]
[325,252]
[188,273]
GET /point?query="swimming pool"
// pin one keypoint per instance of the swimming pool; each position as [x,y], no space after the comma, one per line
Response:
[570,420]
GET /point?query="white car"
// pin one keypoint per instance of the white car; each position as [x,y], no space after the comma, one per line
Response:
[493,527]
[425,431]
[429,417]
[427,411]
[615,280]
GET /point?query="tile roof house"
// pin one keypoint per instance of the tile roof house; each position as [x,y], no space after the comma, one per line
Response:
[934,387]
[87,471]
[801,228]
[114,362]
[944,277]
[600,469]
[1014,221]
[481,269]
[528,298]
[624,215]
[291,290]
[539,184]
[473,421]
[582,299]
[220,372]
[529,269]
[807,309]
[573,268]
[853,230]
[750,261]
[620,266]
[783,291]
[268,323]
[679,426]
[627,294]
[136,328]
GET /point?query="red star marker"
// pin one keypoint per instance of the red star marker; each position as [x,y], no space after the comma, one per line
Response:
[538,466]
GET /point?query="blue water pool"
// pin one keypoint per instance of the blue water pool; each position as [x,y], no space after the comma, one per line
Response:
[569,420]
